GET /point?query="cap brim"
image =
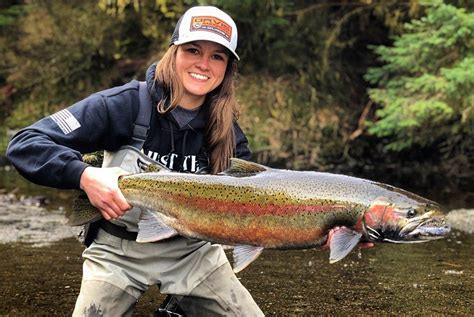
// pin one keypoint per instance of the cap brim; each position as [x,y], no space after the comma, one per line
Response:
[216,39]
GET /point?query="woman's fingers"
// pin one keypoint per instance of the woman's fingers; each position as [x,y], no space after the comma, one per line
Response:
[111,211]
[101,186]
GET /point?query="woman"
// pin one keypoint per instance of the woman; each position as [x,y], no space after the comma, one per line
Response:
[192,129]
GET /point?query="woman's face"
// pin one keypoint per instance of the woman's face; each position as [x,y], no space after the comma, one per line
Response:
[201,67]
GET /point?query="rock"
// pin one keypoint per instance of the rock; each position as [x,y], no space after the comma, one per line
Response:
[461,219]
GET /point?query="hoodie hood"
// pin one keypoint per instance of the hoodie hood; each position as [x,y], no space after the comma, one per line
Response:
[157,94]
[156,91]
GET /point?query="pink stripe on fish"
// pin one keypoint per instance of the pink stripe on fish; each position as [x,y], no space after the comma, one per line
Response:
[238,208]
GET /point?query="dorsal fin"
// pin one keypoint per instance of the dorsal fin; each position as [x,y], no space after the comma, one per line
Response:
[242,168]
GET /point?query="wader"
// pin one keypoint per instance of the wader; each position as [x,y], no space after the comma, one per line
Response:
[117,270]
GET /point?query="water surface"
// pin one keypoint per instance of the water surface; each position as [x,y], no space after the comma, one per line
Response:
[430,278]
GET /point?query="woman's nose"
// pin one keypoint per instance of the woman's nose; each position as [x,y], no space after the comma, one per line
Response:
[203,63]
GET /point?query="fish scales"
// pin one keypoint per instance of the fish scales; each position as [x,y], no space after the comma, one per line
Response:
[196,217]
[257,210]
[253,207]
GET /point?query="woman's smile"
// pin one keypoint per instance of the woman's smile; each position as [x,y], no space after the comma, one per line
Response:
[199,76]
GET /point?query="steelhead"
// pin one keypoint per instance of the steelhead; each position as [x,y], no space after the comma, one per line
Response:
[253,207]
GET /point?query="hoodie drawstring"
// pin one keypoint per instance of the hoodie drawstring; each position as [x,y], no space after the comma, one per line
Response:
[183,148]
[172,136]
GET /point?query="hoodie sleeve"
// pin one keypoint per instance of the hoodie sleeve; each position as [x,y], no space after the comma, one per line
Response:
[242,150]
[49,151]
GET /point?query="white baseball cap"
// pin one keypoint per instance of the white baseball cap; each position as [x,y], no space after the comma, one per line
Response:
[206,23]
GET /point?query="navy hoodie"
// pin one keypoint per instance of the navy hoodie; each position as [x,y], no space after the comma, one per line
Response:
[49,151]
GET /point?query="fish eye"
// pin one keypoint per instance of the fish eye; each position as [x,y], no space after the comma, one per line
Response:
[411,213]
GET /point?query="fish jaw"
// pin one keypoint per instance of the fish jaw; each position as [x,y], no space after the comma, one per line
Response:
[430,229]
[386,221]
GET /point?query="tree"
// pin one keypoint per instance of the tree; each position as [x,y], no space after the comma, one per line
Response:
[64,51]
[10,11]
[426,84]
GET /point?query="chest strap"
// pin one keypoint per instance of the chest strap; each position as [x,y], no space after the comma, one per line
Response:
[122,233]
[142,123]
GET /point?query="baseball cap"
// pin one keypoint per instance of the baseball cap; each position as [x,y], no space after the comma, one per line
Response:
[206,23]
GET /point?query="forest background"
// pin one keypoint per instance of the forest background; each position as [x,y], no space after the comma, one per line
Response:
[381,89]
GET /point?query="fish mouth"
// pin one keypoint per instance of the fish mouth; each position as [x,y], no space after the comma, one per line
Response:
[424,230]
[404,224]
[418,230]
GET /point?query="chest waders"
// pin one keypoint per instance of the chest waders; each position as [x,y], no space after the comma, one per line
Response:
[129,158]
[117,270]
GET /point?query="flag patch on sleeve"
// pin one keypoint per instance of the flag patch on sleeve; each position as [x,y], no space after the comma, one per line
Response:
[65,121]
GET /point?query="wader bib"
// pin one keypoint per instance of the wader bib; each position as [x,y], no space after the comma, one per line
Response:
[117,271]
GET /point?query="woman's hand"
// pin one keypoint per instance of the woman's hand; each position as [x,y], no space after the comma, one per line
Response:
[101,187]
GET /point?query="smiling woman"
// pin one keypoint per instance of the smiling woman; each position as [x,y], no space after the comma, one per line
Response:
[200,66]
[183,116]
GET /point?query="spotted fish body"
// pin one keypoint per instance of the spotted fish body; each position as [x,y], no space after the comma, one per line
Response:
[257,206]
[274,209]
[253,207]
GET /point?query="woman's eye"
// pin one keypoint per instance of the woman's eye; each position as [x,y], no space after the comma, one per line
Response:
[219,57]
[192,50]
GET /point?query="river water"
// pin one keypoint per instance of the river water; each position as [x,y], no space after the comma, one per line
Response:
[431,278]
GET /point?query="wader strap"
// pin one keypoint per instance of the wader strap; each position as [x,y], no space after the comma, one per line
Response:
[122,233]
[117,231]
[142,123]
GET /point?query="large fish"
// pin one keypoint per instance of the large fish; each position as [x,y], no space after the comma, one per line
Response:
[253,207]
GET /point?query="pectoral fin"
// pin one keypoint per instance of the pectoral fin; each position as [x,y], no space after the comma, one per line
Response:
[151,228]
[342,242]
[244,255]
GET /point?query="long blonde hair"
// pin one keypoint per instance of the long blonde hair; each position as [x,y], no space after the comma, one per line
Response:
[220,139]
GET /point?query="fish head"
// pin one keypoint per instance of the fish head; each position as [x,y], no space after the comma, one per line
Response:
[402,222]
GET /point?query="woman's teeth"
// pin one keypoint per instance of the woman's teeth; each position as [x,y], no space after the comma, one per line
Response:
[198,76]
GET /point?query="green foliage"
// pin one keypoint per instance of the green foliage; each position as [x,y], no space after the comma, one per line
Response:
[302,65]
[285,124]
[10,14]
[425,85]
[154,19]
[65,50]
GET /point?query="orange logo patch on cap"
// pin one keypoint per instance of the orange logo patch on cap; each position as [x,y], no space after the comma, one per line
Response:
[212,24]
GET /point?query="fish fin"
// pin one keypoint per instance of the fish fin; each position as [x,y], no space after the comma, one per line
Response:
[151,168]
[244,255]
[75,221]
[151,228]
[242,168]
[82,211]
[148,167]
[342,242]
[146,164]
